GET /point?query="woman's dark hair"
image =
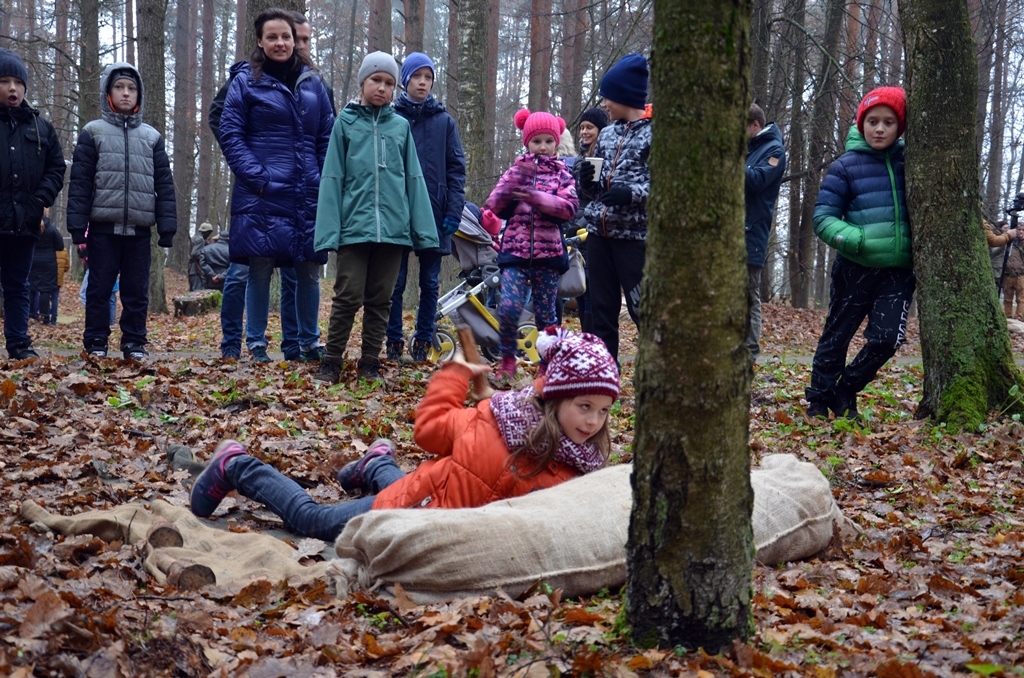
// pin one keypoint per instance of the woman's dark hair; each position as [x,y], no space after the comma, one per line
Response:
[542,442]
[259,57]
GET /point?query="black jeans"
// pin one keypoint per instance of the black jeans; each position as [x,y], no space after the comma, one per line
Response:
[109,256]
[882,295]
[614,268]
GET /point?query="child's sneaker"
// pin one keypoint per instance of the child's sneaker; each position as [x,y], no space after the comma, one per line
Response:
[259,355]
[351,476]
[508,367]
[395,350]
[419,351]
[213,485]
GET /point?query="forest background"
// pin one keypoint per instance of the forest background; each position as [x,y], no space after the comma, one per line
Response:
[812,60]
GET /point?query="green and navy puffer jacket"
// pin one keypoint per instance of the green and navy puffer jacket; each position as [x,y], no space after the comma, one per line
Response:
[862,206]
[372,188]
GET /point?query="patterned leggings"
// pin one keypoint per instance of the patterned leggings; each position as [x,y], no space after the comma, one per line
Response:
[515,284]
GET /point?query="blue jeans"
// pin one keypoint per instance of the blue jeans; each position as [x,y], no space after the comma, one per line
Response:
[295,285]
[111,256]
[113,296]
[301,514]
[232,309]
[43,305]
[430,273]
[15,263]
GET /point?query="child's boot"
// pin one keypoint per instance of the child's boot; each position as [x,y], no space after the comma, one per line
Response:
[395,350]
[351,476]
[508,367]
[213,483]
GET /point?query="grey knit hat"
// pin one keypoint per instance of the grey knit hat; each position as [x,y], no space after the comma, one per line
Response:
[12,66]
[378,62]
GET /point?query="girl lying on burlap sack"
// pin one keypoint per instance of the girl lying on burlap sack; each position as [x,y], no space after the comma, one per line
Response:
[509,444]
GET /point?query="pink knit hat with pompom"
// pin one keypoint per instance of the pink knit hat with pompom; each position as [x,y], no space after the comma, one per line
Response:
[540,122]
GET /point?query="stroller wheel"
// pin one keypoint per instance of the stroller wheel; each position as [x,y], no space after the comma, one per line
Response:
[527,343]
[442,348]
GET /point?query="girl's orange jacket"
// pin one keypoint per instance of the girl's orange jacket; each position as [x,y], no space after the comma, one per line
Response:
[472,467]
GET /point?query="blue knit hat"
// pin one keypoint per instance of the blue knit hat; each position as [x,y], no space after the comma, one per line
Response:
[12,66]
[626,82]
[414,62]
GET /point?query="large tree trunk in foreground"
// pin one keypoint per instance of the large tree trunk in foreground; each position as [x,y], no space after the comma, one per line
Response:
[691,549]
[968,364]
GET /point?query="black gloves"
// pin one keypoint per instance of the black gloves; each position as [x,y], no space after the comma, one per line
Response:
[77,237]
[586,172]
[166,240]
[617,196]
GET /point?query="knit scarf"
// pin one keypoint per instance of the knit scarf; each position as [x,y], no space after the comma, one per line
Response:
[517,415]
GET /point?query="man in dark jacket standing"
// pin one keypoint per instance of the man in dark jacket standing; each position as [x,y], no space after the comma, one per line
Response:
[196,279]
[439,150]
[31,176]
[766,164]
[214,261]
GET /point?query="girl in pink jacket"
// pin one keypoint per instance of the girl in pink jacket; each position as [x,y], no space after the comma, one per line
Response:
[535,196]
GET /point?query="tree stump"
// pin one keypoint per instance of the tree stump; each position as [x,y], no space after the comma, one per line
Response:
[200,302]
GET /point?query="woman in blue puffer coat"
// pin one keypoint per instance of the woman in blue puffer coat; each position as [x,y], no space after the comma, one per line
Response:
[275,128]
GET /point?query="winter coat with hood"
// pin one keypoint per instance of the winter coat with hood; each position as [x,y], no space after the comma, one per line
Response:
[121,180]
[533,228]
[373,189]
[766,165]
[471,466]
[31,169]
[441,159]
[275,141]
[862,205]
[625,148]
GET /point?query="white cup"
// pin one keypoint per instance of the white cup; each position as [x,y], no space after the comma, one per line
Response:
[597,162]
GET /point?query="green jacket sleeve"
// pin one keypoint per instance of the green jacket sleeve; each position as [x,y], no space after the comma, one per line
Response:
[421,213]
[327,235]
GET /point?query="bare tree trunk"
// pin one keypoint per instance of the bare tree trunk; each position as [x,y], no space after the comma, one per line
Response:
[183,158]
[760,42]
[540,55]
[452,84]
[351,54]
[129,30]
[798,259]
[574,23]
[690,550]
[89,63]
[871,54]
[152,14]
[968,364]
[848,98]
[488,167]
[378,31]
[208,86]
[477,138]
[822,116]
[413,26]
[998,125]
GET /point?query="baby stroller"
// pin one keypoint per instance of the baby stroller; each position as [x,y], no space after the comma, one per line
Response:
[473,302]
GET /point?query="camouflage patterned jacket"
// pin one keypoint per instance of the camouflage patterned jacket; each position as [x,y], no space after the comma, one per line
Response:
[626,149]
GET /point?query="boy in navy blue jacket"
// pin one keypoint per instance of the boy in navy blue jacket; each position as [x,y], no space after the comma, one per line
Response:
[31,176]
[444,168]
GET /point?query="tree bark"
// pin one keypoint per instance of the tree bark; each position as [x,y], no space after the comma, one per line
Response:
[378,31]
[184,132]
[152,14]
[89,63]
[208,85]
[690,550]
[968,364]
[413,26]
[574,31]
[477,138]
[540,56]
[129,30]
[760,42]
[997,127]
[797,264]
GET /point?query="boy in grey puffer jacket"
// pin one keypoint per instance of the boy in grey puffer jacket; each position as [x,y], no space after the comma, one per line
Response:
[121,186]
[617,217]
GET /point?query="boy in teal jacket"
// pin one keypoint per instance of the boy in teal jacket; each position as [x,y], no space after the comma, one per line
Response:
[862,212]
[373,206]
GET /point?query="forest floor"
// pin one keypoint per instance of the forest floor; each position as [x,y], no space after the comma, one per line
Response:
[934,587]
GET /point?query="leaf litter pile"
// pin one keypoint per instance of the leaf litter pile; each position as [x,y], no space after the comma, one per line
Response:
[933,587]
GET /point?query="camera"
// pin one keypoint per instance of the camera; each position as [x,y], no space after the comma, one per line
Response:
[1018,204]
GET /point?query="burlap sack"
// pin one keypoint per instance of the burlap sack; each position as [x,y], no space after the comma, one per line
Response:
[235,558]
[572,537]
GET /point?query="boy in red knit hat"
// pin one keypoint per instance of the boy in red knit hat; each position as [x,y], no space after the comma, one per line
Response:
[862,212]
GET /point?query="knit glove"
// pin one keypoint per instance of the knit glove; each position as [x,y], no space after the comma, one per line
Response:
[617,196]
[586,172]
[166,240]
[77,237]
[450,225]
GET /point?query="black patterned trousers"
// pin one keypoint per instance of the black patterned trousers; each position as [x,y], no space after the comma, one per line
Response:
[882,295]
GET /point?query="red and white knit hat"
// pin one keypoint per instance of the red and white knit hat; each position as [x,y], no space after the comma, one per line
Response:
[577,364]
